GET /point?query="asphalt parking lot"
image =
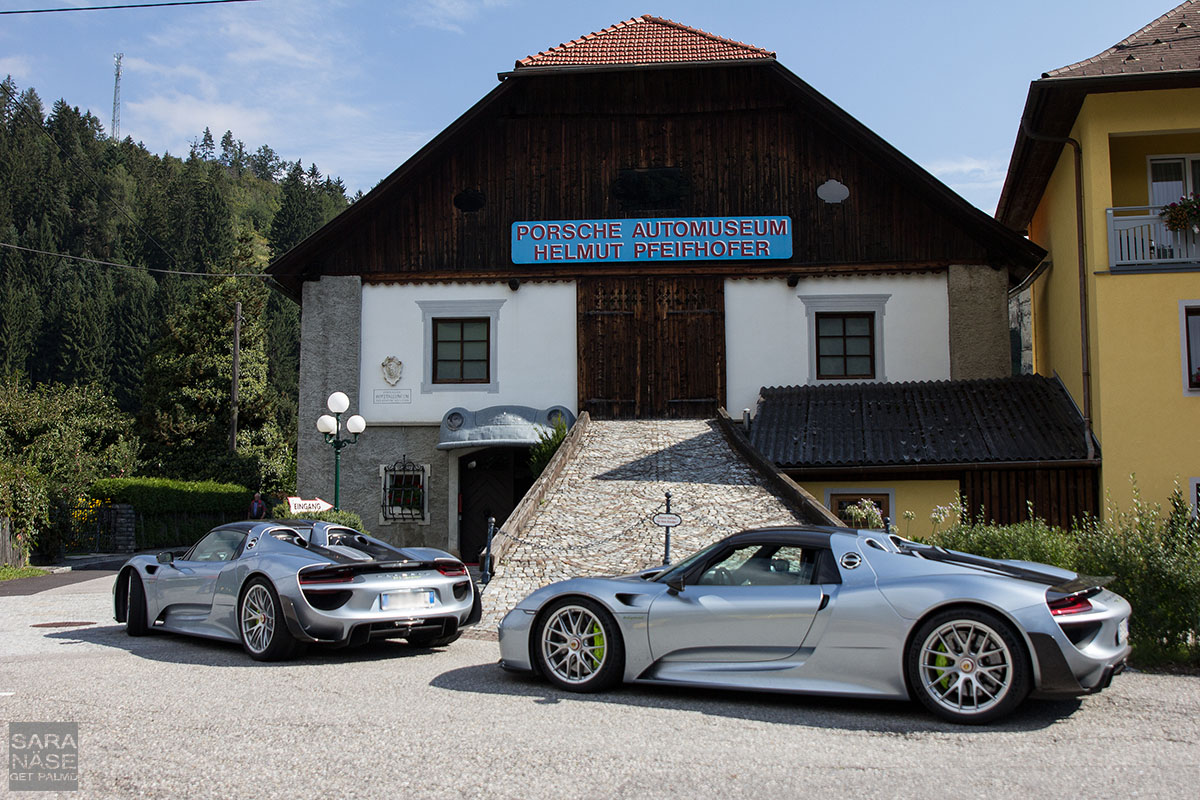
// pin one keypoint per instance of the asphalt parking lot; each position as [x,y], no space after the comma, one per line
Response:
[167,716]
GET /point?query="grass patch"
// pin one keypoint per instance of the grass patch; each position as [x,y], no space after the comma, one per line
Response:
[8,573]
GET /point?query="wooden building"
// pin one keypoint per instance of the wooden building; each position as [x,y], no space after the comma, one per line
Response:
[649,221]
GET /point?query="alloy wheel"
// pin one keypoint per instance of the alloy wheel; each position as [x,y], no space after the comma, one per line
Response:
[573,644]
[258,618]
[966,667]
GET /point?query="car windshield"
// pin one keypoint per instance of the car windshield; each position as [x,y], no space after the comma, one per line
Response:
[683,566]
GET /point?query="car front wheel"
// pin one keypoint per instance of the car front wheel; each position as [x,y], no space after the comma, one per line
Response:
[260,621]
[968,666]
[578,647]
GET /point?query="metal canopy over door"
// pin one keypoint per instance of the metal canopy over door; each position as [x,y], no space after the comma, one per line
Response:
[651,347]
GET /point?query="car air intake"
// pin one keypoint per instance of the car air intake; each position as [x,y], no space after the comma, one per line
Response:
[327,600]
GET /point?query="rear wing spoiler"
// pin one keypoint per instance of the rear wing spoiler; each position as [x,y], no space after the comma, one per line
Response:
[1077,585]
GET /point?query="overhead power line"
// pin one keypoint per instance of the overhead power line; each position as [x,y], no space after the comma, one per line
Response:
[125,5]
[135,268]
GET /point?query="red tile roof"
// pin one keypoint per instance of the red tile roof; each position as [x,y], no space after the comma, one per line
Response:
[644,40]
[1170,43]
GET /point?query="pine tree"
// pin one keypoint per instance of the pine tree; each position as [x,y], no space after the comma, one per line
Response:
[82,355]
[207,149]
[133,330]
[186,412]
[265,164]
[299,213]
[226,157]
[201,220]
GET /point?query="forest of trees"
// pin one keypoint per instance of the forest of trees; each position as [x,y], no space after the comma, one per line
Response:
[151,337]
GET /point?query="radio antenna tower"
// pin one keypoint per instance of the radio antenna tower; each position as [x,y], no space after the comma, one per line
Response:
[116,117]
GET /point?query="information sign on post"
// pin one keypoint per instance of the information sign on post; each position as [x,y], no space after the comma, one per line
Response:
[666,521]
[298,506]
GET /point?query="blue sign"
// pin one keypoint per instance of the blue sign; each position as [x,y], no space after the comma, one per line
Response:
[667,239]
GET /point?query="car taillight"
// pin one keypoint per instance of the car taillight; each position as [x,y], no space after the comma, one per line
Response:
[326,577]
[451,569]
[1069,605]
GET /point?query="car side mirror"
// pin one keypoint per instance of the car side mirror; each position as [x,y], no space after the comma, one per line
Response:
[166,558]
[675,584]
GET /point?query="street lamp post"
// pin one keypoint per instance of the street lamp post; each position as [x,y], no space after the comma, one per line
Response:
[331,427]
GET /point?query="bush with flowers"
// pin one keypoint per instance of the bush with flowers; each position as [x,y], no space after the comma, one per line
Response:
[1183,214]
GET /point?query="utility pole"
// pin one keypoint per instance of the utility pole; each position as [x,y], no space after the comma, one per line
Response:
[237,358]
[115,129]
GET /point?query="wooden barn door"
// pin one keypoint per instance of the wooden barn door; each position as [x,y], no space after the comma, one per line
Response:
[651,347]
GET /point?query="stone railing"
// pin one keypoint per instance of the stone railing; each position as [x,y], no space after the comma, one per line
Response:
[811,509]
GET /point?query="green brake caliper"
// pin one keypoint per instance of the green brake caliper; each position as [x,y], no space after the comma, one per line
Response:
[943,661]
[598,641]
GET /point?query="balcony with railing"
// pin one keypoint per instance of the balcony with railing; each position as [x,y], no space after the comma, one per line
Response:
[1139,239]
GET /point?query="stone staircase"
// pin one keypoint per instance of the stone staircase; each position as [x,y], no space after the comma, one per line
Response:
[595,518]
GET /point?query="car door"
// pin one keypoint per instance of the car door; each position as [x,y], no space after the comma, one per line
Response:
[752,602]
[187,585]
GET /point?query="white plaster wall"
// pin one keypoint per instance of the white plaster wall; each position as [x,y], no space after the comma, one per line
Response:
[766,330]
[764,340]
[535,362]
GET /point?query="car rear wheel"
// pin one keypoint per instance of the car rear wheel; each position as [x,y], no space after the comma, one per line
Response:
[264,633]
[136,623]
[968,666]
[578,647]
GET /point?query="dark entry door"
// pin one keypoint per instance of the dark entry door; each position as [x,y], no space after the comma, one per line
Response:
[651,347]
[491,483]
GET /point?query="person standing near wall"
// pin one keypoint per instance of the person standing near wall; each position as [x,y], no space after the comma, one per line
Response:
[258,509]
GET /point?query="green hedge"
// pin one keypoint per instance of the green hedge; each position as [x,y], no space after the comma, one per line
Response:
[347,518]
[1152,553]
[164,496]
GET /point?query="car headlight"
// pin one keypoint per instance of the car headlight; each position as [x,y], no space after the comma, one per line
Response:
[1123,631]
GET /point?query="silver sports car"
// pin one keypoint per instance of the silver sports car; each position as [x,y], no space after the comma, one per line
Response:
[273,585]
[831,611]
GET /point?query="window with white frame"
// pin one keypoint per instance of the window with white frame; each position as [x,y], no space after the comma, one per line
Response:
[461,352]
[845,337]
[1173,177]
[1189,345]
[404,489]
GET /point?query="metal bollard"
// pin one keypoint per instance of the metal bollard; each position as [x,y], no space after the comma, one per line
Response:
[485,574]
[667,540]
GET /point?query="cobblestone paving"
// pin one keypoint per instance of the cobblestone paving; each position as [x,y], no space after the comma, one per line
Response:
[596,520]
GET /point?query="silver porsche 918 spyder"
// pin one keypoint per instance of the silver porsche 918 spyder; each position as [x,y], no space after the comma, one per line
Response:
[273,585]
[831,611]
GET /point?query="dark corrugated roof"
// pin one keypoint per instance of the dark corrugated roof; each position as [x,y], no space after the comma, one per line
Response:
[1019,419]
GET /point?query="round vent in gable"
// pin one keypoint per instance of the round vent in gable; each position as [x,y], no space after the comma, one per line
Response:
[469,200]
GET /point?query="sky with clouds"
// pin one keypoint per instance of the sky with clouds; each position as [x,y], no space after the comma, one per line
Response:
[358,86]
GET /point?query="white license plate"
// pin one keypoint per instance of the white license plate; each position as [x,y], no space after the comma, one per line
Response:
[1123,631]
[409,599]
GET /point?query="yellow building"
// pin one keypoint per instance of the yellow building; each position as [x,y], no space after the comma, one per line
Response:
[1103,146]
